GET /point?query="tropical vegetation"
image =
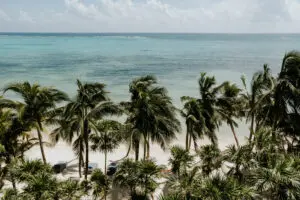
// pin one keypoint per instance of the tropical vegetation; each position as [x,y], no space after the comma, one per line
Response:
[265,165]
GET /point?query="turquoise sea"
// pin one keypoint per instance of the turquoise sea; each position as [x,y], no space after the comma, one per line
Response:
[58,59]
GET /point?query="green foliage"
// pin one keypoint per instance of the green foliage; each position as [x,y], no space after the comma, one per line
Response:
[138,177]
[151,113]
[100,184]
[265,167]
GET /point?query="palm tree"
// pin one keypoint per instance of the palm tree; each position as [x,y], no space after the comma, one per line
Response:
[107,138]
[194,120]
[127,176]
[37,103]
[208,98]
[239,161]
[69,190]
[151,113]
[184,184]
[202,118]
[132,138]
[148,175]
[229,107]
[180,160]
[281,181]
[68,129]
[221,187]
[90,103]
[101,184]
[210,156]
[140,177]
[261,89]
[286,96]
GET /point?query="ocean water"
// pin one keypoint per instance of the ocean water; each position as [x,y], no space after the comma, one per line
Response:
[115,59]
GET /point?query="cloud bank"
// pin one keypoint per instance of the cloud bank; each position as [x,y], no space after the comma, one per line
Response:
[156,16]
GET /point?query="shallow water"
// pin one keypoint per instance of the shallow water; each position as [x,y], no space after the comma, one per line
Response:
[115,59]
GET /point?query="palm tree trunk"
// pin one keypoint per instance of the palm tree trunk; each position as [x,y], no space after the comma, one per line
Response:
[41,144]
[187,139]
[105,161]
[137,150]
[251,127]
[234,135]
[145,146]
[86,140]
[80,158]
[105,170]
[12,177]
[195,144]
[190,141]
[148,146]
[145,149]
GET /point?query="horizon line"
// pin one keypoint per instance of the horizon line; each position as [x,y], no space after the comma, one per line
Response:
[254,33]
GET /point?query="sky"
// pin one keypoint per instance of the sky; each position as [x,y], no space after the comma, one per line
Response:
[201,16]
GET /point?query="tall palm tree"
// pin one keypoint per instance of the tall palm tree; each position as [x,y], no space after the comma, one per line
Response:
[202,118]
[208,98]
[132,138]
[151,113]
[37,103]
[68,129]
[261,88]
[287,97]
[107,138]
[194,120]
[90,103]
[229,106]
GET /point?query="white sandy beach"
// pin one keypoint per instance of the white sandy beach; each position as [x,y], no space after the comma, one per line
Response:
[63,152]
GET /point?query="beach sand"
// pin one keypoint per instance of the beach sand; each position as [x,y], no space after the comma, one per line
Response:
[62,152]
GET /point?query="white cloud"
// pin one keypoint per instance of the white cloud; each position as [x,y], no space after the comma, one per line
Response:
[25,17]
[294,8]
[4,16]
[168,16]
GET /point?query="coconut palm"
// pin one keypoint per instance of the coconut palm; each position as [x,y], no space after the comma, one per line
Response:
[90,103]
[37,103]
[261,88]
[69,190]
[229,107]
[287,97]
[184,184]
[151,113]
[170,197]
[132,137]
[282,181]
[127,176]
[210,156]
[209,92]
[101,184]
[180,160]
[221,187]
[139,178]
[107,137]
[239,161]
[68,129]
[194,120]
